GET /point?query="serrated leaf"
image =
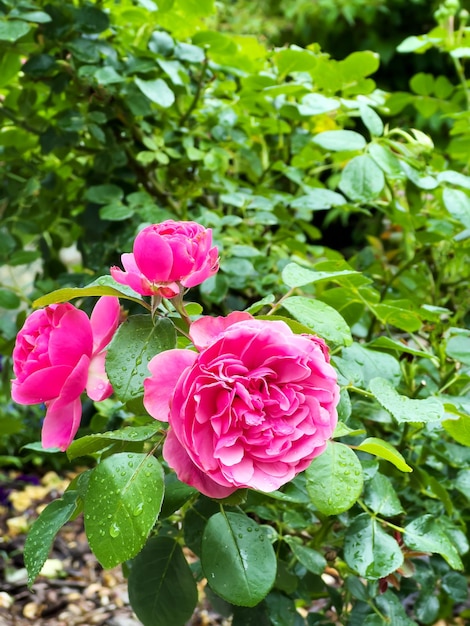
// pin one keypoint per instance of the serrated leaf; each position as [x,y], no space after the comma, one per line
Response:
[93,443]
[334,479]
[162,589]
[321,318]
[369,550]
[237,559]
[43,531]
[134,344]
[123,500]
[384,450]
[359,365]
[380,496]
[314,561]
[427,535]
[402,408]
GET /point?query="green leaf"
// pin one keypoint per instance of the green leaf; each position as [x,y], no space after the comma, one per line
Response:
[294,60]
[91,444]
[320,317]
[104,194]
[43,531]
[386,343]
[458,348]
[38,17]
[116,212]
[157,91]
[318,199]
[384,450]
[371,120]
[9,299]
[162,589]
[312,560]
[457,203]
[459,429]
[402,408]
[386,160]
[422,84]
[334,479]
[362,179]
[369,550]
[295,275]
[69,293]
[359,365]
[380,496]
[135,342]
[122,503]
[398,316]
[107,76]
[13,30]
[427,534]
[237,559]
[337,140]
[10,63]
[316,104]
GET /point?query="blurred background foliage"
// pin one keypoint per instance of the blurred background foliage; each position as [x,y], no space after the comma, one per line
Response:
[331,134]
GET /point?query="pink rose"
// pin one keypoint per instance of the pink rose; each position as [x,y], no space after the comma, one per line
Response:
[251,409]
[59,353]
[166,257]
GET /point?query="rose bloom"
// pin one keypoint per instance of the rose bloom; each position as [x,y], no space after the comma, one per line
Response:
[58,354]
[251,409]
[167,257]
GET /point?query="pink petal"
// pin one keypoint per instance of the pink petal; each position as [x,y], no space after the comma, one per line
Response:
[104,321]
[61,423]
[165,369]
[176,457]
[204,330]
[98,386]
[71,338]
[41,386]
[153,256]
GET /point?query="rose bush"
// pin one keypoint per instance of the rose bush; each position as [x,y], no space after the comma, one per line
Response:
[168,257]
[58,354]
[251,409]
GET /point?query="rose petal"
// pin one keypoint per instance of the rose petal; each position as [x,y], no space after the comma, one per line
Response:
[153,255]
[176,457]
[41,386]
[98,387]
[104,321]
[165,369]
[61,424]
[71,338]
[206,329]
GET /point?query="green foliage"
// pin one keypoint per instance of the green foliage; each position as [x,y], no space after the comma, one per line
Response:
[337,206]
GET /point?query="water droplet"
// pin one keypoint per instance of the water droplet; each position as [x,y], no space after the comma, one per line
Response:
[138,509]
[148,474]
[249,529]
[240,535]
[114,530]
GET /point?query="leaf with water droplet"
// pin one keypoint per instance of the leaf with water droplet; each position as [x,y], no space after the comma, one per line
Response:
[42,533]
[334,479]
[140,337]
[369,550]
[428,534]
[118,515]
[239,565]
[90,444]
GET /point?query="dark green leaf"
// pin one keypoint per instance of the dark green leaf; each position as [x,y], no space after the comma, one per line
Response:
[369,550]
[402,408]
[162,590]
[42,533]
[320,317]
[427,534]
[237,558]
